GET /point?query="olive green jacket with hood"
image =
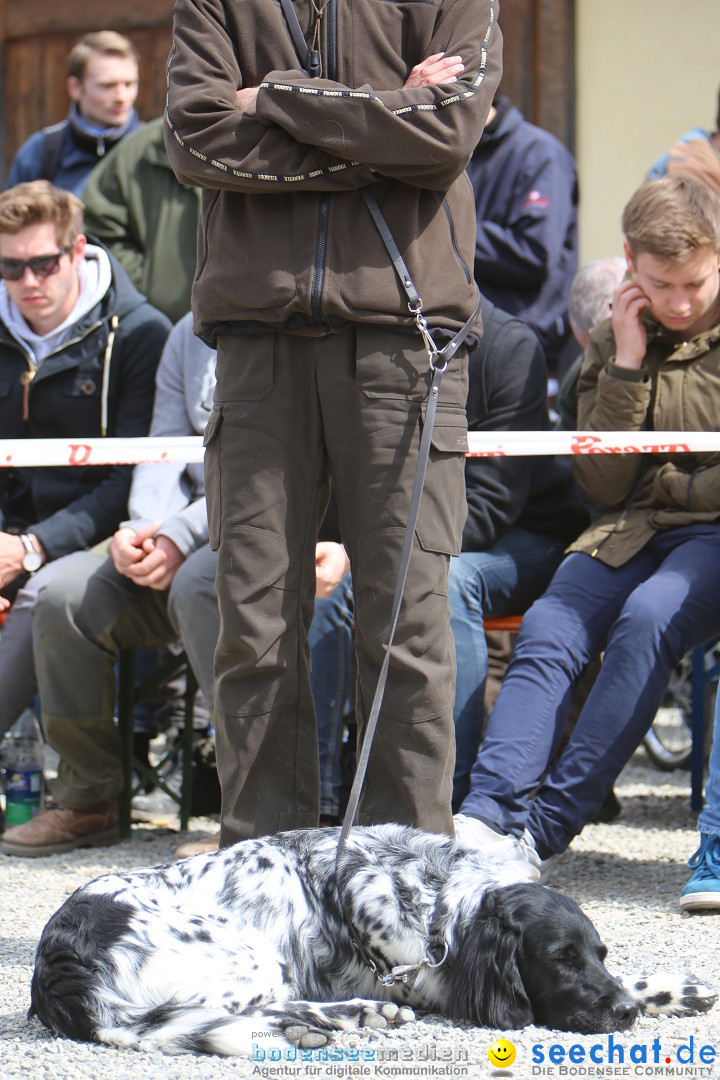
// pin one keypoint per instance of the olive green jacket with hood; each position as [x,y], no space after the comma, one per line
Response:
[285,237]
[676,389]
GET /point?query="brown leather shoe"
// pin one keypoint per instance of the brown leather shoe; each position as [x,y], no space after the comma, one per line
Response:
[57,830]
[203,845]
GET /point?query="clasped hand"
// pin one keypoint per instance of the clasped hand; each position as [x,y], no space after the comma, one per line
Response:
[11,556]
[432,71]
[145,558]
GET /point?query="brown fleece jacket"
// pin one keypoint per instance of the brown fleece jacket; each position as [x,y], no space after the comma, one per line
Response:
[676,389]
[285,238]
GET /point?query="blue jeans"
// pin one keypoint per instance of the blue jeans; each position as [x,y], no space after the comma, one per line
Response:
[501,581]
[330,639]
[709,817]
[646,615]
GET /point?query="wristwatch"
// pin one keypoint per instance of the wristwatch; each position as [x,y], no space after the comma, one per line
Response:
[32,560]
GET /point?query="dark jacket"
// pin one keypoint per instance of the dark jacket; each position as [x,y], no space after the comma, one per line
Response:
[285,238]
[147,218]
[74,507]
[67,152]
[526,198]
[508,392]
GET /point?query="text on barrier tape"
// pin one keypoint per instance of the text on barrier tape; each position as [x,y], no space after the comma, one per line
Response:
[189,449]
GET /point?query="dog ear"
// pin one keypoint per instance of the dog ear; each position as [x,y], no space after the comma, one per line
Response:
[485,986]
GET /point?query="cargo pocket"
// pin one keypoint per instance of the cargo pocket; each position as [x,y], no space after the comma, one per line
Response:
[211,442]
[245,372]
[443,507]
[390,366]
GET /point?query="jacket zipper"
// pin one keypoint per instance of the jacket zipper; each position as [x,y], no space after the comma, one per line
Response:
[324,210]
[451,226]
[332,40]
[25,379]
[319,267]
[28,376]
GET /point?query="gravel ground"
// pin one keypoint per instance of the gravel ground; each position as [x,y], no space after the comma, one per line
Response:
[627,876]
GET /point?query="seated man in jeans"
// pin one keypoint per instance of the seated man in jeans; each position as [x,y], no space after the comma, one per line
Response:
[642,584]
[158,586]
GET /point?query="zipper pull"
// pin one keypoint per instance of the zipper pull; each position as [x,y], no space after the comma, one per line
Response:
[315,64]
[26,378]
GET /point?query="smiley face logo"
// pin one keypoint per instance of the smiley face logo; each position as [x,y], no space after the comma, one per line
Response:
[501,1053]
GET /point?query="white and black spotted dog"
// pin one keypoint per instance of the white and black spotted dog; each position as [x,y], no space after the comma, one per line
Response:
[197,955]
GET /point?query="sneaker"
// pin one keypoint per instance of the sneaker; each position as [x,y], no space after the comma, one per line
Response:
[703,889]
[151,805]
[58,829]
[548,866]
[515,852]
[155,806]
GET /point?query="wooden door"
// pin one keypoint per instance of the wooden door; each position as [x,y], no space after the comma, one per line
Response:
[539,62]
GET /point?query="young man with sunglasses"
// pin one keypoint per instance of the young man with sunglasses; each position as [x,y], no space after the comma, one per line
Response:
[78,351]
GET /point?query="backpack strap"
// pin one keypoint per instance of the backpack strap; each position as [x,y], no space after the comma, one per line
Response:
[53,141]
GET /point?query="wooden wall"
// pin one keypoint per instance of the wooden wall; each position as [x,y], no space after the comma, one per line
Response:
[539,62]
[36,36]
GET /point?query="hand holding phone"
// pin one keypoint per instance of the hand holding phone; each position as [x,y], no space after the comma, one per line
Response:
[629,302]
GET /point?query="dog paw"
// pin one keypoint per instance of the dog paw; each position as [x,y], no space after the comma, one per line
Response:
[671,994]
[384,1014]
[305,1037]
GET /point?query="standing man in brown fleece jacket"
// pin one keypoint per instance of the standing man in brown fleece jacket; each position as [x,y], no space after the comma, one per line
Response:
[322,374]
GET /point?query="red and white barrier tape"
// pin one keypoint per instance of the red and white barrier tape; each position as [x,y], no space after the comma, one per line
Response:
[28,452]
[187,449]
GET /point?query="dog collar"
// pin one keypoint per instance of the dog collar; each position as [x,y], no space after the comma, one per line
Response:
[403,973]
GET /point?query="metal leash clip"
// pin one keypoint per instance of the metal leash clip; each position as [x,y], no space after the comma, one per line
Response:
[402,973]
[421,323]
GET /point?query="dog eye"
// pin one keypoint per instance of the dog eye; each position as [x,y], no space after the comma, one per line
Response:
[569,955]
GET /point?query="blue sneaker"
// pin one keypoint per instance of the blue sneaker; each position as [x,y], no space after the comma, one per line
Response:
[702,891]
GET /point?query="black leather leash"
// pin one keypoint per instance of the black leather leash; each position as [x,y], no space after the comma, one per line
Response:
[439,360]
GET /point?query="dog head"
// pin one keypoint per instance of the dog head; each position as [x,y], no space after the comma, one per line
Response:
[532,956]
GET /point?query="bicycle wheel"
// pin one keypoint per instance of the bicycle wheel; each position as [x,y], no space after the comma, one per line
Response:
[668,743]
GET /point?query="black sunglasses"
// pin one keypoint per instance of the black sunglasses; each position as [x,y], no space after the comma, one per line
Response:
[41,265]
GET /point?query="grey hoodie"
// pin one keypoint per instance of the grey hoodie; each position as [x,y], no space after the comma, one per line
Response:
[175,493]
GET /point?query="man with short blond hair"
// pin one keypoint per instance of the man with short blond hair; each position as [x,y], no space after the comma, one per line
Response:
[78,351]
[102,84]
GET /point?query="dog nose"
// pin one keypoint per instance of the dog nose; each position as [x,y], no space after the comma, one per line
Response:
[624,1013]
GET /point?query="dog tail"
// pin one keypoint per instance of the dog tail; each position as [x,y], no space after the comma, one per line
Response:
[90,984]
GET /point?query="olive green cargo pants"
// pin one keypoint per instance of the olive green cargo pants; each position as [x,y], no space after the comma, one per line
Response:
[292,415]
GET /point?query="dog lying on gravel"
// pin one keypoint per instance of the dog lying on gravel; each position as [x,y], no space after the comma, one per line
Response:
[199,956]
